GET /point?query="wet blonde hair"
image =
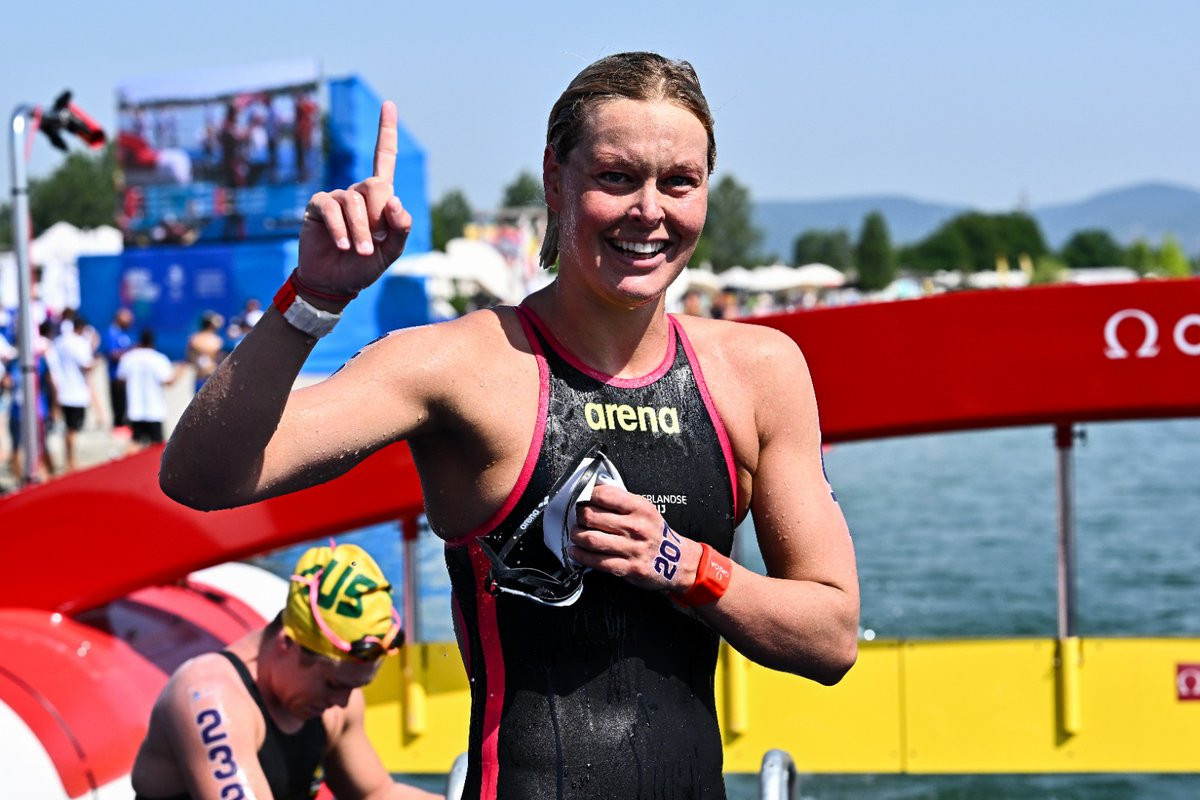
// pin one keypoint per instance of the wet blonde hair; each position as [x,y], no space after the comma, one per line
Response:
[630,76]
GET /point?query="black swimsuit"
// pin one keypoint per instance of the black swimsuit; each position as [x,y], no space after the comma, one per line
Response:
[290,761]
[612,696]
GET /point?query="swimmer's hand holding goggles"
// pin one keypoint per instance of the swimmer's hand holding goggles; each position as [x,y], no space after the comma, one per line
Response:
[563,585]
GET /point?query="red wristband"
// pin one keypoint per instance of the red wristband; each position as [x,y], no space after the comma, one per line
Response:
[712,578]
[286,295]
[304,288]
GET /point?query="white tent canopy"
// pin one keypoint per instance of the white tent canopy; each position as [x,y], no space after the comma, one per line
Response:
[63,242]
[777,278]
[56,252]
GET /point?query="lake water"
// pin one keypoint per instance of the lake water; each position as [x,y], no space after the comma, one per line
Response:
[956,535]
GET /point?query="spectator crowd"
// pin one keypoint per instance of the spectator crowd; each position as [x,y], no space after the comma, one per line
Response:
[101,393]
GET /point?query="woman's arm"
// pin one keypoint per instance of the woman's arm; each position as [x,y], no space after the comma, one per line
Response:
[245,436]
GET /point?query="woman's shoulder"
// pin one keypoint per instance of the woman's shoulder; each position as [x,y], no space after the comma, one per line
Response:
[741,343]
[483,328]
[442,352]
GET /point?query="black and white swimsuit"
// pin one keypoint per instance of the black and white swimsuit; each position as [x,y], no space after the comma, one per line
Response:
[611,696]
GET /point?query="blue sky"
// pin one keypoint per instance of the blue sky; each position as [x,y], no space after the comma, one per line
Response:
[989,104]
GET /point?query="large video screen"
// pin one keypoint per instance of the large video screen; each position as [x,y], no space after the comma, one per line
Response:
[220,154]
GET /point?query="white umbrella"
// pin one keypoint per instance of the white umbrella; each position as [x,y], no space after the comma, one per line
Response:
[484,264]
[464,260]
[736,278]
[432,264]
[694,278]
[774,278]
[819,276]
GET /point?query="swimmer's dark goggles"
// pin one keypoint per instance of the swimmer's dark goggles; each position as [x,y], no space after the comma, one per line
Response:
[563,586]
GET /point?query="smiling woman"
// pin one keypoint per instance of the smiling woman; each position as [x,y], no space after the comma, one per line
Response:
[631,76]
[629,200]
[708,418]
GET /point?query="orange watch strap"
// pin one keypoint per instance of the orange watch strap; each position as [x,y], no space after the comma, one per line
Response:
[712,578]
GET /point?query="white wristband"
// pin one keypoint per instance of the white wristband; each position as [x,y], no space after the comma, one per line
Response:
[302,315]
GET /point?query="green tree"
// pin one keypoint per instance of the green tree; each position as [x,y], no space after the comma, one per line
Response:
[701,254]
[1091,248]
[974,240]
[982,239]
[823,247]
[945,248]
[80,191]
[1140,256]
[1019,233]
[525,190]
[450,215]
[6,238]
[1047,269]
[874,254]
[730,237]
[1172,259]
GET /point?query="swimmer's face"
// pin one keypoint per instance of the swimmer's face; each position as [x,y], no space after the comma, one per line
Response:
[631,197]
[316,683]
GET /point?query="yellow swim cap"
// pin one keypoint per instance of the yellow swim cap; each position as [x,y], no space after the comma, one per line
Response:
[340,604]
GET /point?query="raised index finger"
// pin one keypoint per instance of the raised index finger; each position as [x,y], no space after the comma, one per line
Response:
[385,142]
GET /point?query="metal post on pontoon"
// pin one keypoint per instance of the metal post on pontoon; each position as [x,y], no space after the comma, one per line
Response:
[410,674]
[410,533]
[1069,646]
[777,778]
[64,116]
[23,123]
[1064,440]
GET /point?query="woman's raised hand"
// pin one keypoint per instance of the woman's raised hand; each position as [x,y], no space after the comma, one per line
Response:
[350,236]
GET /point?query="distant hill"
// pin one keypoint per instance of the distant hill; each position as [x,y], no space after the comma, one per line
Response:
[908,220]
[1146,210]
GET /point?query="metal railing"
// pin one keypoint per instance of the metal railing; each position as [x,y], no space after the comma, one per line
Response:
[777,778]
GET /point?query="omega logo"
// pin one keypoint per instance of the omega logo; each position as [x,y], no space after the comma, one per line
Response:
[1187,681]
[1149,345]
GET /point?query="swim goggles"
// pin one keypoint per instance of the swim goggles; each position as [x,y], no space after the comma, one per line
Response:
[560,583]
[366,648]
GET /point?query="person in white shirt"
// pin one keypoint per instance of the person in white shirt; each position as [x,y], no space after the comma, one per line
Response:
[69,358]
[145,372]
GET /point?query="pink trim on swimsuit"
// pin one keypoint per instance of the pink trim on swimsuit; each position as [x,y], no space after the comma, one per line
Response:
[535,445]
[718,424]
[460,633]
[595,374]
[493,660]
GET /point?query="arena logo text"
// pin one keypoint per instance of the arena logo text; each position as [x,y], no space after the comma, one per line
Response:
[610,416]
